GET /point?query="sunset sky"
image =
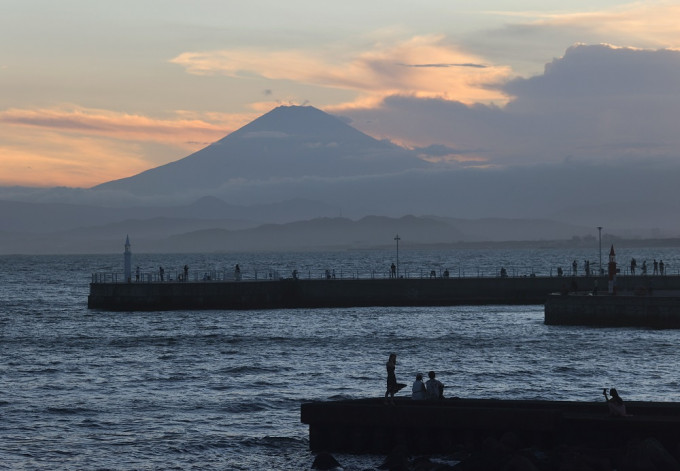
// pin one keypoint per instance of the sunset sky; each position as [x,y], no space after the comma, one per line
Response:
[94,91]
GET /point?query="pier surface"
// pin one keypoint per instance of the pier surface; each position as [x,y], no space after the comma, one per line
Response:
[370,426]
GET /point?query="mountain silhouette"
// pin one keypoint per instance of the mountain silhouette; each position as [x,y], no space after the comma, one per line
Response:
[288,142]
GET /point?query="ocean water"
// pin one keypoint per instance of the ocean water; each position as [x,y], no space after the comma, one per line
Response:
[83,389]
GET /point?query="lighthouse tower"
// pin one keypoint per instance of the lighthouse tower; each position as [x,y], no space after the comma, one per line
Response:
[612,271]
[127,257]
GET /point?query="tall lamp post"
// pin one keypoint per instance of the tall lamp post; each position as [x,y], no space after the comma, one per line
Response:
[599,229]
[397,238]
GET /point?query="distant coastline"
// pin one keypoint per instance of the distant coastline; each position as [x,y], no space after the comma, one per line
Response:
[555,244]
[111,247]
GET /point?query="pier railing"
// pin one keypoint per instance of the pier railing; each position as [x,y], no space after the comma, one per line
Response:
[264,274]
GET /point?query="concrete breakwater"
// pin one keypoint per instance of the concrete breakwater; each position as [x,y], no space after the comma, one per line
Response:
[641,308]
[319,293]
[370,426]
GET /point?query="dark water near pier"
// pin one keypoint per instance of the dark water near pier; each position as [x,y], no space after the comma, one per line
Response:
[84,389]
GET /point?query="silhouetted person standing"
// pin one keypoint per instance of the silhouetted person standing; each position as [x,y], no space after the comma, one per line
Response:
[392,387]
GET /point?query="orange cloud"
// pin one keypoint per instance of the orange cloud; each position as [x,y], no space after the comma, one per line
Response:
[180,132]
[424,66]
[83,147]
[52,159]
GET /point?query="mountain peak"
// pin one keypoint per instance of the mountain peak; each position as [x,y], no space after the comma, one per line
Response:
[291,143]
[298,121]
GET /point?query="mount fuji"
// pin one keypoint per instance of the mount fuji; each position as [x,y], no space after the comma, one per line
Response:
[288,143]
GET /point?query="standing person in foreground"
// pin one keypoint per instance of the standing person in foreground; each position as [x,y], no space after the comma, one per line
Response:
[616,406]
[435,389]
[392,385]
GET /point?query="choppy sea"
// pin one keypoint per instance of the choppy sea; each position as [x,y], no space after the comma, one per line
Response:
[86,389]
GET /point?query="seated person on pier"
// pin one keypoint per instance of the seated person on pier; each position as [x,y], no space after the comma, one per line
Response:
[616,406]
[418,391]
[435,389]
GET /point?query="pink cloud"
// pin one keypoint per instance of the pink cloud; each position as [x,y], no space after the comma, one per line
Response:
[423,66]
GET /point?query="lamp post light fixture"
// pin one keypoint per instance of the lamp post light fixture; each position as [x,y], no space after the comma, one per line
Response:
[397,238]
[599,229]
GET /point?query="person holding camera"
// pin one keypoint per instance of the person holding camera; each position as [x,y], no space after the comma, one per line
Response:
[616,406]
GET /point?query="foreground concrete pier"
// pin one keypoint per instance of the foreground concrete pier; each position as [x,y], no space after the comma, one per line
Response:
[369,426]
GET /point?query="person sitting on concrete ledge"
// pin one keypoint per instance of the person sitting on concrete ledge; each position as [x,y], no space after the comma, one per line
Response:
[616,406]
[418,391]
[435,389]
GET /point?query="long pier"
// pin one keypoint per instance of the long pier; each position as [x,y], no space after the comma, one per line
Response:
[325,293]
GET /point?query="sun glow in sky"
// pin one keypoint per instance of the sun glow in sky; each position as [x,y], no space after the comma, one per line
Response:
[96,91]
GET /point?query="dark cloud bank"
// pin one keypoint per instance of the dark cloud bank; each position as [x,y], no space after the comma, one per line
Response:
[597,103]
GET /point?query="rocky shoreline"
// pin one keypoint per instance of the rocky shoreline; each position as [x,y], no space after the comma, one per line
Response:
[509,453]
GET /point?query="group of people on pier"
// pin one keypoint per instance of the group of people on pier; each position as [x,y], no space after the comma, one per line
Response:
[432,389]
[658,268]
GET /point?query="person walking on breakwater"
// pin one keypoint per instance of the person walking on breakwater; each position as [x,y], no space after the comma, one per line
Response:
[418,391]
[574,267]
[237,272]
[186,273]
[393,271]
[616,406]
[435,388]
[161,273]
[392,386]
